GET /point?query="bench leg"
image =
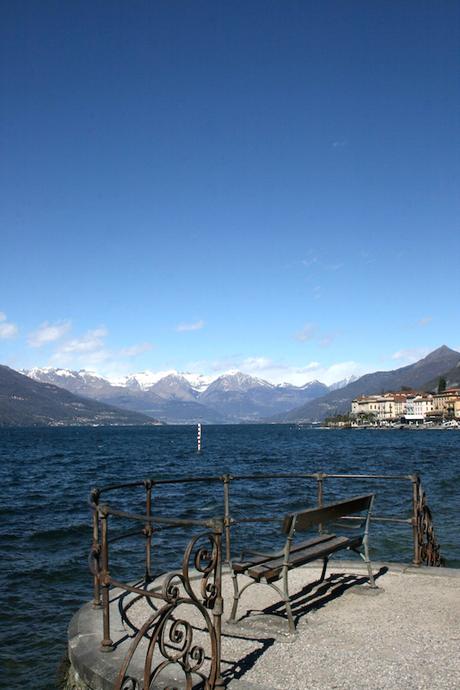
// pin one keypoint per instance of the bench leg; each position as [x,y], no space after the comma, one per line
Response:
[291,623]
[287,602]
[367,561]
[369,564]
[323,572]
[370,574]
[236,596]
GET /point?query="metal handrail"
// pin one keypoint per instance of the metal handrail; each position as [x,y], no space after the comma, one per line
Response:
[421,524]
[425,547]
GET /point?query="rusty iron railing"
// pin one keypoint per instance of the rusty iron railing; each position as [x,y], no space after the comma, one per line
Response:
[173,636]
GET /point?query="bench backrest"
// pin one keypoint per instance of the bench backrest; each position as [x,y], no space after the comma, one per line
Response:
[313,517]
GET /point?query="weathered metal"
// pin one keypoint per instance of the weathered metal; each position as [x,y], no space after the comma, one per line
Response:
[106,643]
[164,629]
[148,530]
[428,548]
[173,636]
[271,567]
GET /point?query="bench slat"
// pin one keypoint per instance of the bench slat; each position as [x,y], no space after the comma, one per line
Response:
[306,519]
[270,570]
[240,567]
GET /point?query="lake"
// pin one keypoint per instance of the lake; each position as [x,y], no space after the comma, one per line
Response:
[46,476]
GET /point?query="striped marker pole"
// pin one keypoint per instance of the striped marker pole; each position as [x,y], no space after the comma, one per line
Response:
[198,438]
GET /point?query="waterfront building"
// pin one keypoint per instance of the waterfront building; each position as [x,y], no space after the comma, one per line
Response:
[409,406]
[457,409]
[444,404]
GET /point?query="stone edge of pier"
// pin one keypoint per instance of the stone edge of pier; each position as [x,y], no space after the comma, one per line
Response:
[92,669]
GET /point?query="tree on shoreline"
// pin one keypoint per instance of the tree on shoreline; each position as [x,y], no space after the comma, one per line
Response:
[442,384]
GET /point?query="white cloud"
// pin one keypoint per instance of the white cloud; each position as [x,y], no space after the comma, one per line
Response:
[85,352]
[324,265]
[424,321]
[90,351]
[259,363]
[410,355]
[310,332]
[276,371]
[316,292]
[7,329]
[327,339]
[307,333]
[92,340]
[196,326]
[135,350]
[367,257]
[48,333]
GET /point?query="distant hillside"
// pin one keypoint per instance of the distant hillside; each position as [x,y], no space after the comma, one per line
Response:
[414,376]
[452,378]
[245,398]
[231,398]
[25,402]
[176,409]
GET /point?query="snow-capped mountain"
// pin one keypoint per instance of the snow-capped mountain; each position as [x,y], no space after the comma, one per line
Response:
[175,387]
[145,380]
[344,382]
[173,401]
[236,381]
[78,382]
[184,397]
[198,381]
[142,381]
[247,398]
[25,401]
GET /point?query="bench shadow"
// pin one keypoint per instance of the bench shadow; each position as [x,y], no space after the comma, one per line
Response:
[230,670]
[235,670]
[312,597]
[315,595]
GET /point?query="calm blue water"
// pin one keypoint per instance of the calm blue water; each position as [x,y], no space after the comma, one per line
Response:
[45,523]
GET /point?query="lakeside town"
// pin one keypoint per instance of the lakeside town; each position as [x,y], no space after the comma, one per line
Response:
[403,408]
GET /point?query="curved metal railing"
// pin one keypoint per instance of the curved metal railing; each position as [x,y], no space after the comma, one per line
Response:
[174,636]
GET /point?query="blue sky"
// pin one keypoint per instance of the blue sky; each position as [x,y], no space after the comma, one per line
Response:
[204,186]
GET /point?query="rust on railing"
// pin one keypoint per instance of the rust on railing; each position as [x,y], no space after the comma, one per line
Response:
[426,547]
[170,637]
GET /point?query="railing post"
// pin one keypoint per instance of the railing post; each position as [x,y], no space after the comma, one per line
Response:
[227,518]
[148,530]
[320,477]
[96,549]
[218,608]
[415,522]
[106,643]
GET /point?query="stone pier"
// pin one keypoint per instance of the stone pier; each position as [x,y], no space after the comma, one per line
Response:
[406,634]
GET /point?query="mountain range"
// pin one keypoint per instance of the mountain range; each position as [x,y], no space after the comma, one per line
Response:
[232,398]
[63,396]
[25,402]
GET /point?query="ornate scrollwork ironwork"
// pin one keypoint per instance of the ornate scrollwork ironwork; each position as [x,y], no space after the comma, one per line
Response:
[168,632]
[205,560]
[429,547]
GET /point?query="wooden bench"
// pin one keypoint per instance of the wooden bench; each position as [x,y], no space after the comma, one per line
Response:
[267,568]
